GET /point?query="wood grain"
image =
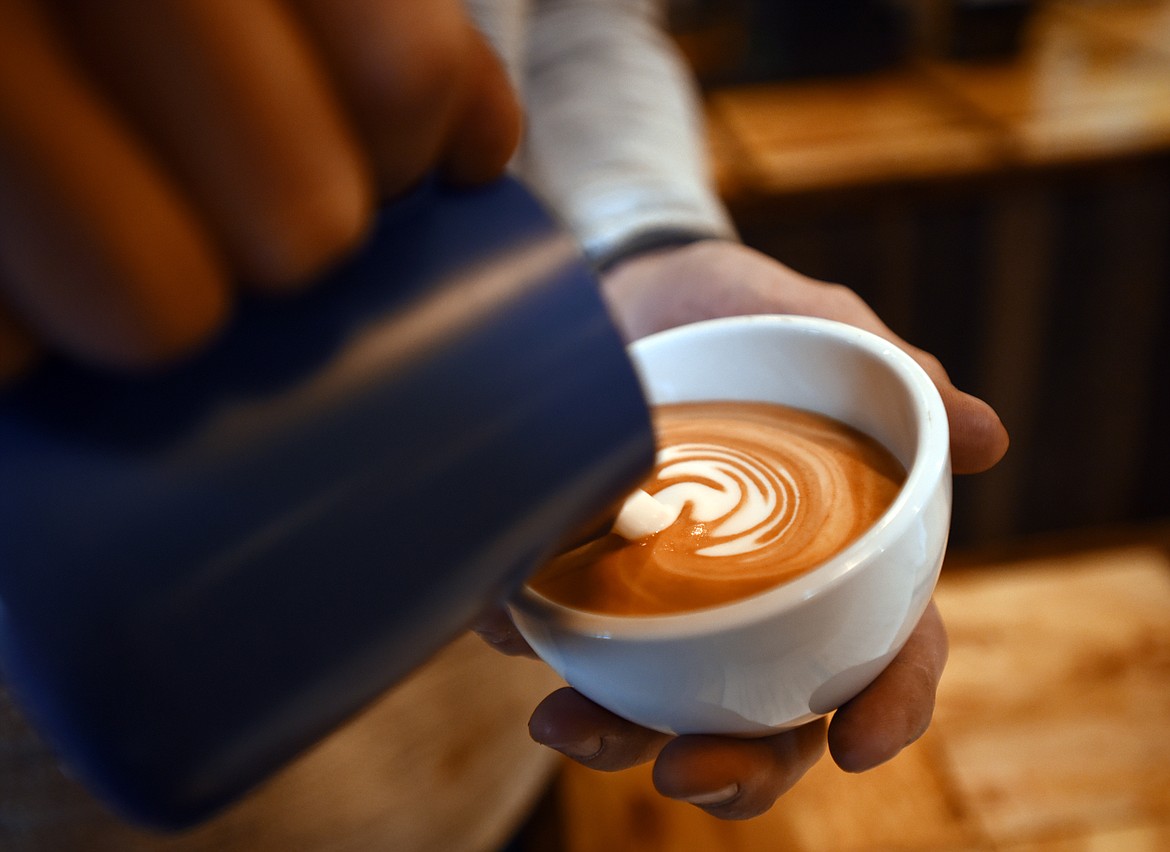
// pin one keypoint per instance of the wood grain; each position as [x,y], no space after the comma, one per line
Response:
[1092,83]
[796,137]
[1052,732]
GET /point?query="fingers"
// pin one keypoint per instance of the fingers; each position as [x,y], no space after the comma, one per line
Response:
[487,128]
[233,100]
[17,348]
[591,735]
[896,708]
[737,778]
[729,778]
[741,778]
[100,254]
[713,278]
[495,627]
[418,66]
[153,155]
[978,437]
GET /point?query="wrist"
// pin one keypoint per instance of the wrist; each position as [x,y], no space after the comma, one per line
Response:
[646,242]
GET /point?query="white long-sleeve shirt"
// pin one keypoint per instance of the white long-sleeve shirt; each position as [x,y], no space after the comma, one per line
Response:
[614,140]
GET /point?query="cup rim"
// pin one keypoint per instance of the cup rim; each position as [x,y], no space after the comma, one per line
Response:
[931,461]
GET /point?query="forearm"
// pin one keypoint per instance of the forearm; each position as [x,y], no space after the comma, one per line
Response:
[615,141]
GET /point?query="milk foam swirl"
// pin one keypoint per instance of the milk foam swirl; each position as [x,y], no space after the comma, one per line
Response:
[762,493]
[743,502]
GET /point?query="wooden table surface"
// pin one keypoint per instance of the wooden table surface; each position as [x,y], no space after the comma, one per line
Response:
[1093,82]
[1051,734]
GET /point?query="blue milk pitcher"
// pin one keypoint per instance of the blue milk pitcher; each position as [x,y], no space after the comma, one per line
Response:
[204,571]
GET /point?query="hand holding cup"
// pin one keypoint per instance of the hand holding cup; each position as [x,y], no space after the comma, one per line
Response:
[781,657]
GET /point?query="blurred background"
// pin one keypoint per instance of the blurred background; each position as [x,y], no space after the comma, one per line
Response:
[993,176]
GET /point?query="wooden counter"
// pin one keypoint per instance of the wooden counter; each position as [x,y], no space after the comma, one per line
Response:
[1009,217]
[1051,734]
[1092,83]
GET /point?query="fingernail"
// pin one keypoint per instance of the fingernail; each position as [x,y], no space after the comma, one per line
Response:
[584,750]
[495,637]
[505,641]
[716,797]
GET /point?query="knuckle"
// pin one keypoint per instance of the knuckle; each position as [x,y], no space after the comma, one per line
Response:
[315,228]
[426,79]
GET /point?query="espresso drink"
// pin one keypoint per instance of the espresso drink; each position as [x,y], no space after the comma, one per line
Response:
[763,493]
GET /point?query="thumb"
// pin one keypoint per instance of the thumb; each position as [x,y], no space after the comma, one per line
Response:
[978,437]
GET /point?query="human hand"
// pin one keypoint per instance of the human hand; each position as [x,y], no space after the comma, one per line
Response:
[717,278]
[154,155]
[739,778]
[734,778]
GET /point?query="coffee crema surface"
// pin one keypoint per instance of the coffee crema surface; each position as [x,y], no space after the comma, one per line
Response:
[763,493]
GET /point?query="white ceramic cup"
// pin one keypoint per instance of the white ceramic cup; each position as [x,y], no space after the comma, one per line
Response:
[784,656]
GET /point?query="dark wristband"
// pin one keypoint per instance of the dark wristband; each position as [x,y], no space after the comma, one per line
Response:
[646,241]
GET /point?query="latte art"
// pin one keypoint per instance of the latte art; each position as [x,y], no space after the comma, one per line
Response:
[742,503]
[762,493]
